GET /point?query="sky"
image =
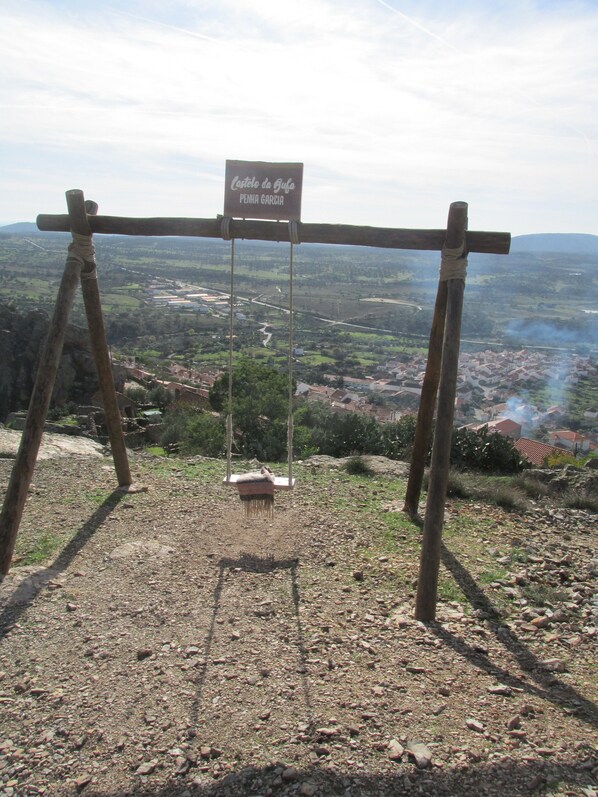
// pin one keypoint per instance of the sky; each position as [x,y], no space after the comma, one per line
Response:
[396,108]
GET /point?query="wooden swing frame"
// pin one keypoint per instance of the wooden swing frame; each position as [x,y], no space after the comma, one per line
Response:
[439,381]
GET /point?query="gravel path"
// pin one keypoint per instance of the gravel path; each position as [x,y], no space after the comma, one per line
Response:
[172,647]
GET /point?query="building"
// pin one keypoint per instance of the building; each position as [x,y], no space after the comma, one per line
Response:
[534,451]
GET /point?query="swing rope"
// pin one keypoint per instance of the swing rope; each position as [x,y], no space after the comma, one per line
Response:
[294,238]
[249,490]
[225,228]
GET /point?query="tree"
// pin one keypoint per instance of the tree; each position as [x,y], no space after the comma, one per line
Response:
[159,396]
[204,434]
[259,409]
[174,425]
[137,394]
[351,433]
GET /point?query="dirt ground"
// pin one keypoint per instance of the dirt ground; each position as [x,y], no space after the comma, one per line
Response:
[172,647]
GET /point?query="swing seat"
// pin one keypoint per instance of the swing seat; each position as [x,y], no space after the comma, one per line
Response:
[280,482]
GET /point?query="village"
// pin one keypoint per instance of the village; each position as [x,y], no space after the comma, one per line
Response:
[493,390]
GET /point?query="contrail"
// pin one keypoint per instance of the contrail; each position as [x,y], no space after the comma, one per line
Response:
[417,25]
[186,31]
[528,98]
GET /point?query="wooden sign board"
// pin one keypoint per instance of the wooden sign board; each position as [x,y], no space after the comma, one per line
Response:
[259,190]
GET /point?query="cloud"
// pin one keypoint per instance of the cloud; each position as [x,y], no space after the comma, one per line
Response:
[396,109]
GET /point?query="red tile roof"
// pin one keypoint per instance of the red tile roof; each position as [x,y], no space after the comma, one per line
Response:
[565,434]
[534,451]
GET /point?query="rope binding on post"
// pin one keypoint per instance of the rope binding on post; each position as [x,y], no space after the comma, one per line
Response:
[83,251]
[453,263]
[225,227]
[294,232]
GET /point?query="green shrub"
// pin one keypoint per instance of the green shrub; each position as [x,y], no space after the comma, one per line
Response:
[459,485]
[159,396]
[398,437]
[137,394]
[174,425]
[560,460]
[506,496]
[530,486]
[259,411]
[204,434]
[357,466]
[485,451]
[347,434]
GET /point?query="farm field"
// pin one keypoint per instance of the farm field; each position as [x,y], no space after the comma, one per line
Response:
[355,308]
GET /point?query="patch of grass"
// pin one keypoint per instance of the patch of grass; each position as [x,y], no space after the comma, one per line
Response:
[519,555]
[39,550]
[96,496]
[460,485]
[530,486]
[488,576]
[505,496]
[449,591]
[202,471]
[67,420]
[542,594]
[578,500]
[157,451]
[492,490]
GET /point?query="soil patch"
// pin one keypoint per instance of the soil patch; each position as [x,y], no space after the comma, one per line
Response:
[171,647]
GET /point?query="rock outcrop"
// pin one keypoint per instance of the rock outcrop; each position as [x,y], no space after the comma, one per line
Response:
[22,337]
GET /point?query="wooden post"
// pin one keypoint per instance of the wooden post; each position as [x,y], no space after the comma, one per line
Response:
[101,355]
[22,472]
[427,402]
[497,243]
[427,587]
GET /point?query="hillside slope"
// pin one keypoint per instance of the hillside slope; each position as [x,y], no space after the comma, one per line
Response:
[160,644]
[565,243]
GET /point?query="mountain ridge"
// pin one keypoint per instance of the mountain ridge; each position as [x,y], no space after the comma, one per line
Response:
[573,243]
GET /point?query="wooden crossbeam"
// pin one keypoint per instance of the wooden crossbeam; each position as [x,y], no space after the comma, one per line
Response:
[497,243]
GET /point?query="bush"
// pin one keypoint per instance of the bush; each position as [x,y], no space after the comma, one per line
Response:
[398,437]
[560,460]
[350,434]
[204,434]
[137,394]
[174,425]
[459,485]
[159,396]
[580,500]
[357,466]
[532,487]
[485,451]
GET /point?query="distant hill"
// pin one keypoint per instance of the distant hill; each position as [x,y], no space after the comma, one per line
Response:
[568,243]
[20,228]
